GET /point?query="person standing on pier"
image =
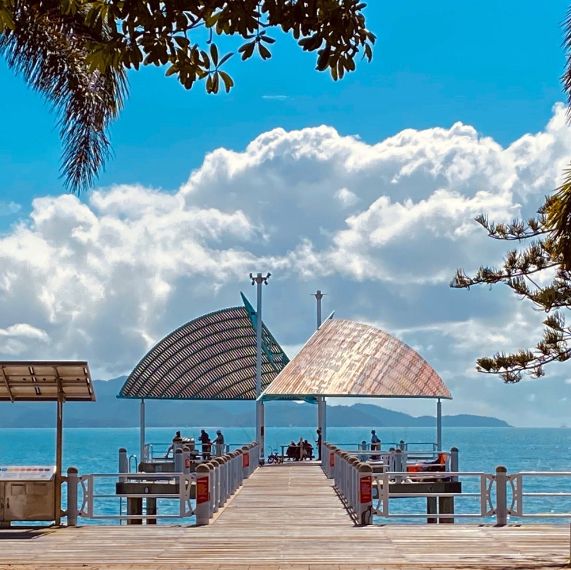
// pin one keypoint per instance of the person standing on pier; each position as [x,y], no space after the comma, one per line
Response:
[219,441]
[375,444]
[205,440]
[318,442]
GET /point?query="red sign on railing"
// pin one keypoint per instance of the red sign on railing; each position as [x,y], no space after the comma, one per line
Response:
[331,459]
[366,489]
[246,459]
[202,494]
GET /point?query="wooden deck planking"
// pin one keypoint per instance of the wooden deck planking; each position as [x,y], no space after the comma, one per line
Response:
[289,517]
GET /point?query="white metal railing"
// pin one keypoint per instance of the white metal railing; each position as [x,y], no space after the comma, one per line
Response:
[181,492]
[199,494]
[483,507]
[411,446]
[154,451]
[496,495]
[394,460]
[521,497]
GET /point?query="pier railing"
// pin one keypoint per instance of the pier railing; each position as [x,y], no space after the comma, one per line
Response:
[134,497]
[162,450]
[492,497]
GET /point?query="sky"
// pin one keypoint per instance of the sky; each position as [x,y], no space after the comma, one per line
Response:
[365,188]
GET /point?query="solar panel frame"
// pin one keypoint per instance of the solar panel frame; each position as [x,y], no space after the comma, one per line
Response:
[45,381]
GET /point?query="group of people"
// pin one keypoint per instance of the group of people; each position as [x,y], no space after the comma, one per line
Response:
[189,444]
[303,449]
[300,450]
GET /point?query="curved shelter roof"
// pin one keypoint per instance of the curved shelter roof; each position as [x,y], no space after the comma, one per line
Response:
[346,358]
[212,357]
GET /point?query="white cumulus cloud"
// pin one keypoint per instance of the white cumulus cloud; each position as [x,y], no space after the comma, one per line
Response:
[381,227]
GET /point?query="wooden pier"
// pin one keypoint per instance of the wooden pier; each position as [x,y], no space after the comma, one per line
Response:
[287,516]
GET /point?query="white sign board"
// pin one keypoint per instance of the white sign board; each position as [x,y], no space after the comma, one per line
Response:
[26,472]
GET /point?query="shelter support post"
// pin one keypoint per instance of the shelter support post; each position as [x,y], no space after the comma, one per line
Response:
[59,457]
[321,404]
[260,423]
[258,280]
[142,431]
[439,424]
[322,417]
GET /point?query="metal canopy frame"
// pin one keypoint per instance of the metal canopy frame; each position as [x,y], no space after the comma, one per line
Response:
[345,358]
[349,359]
[212,357]
[48,381]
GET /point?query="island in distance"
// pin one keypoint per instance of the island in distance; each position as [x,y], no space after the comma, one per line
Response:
[109,411]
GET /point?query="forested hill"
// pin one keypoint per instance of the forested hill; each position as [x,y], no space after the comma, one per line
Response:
[108,411]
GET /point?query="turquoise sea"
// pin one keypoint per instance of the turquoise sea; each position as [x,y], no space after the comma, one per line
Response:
[94,450]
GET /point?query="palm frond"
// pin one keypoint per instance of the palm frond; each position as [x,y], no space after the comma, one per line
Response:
[558,219]
[50,50]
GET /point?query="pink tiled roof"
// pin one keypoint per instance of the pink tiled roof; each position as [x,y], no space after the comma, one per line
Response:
[346,358]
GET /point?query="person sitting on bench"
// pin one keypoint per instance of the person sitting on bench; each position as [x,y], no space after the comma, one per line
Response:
[308,449]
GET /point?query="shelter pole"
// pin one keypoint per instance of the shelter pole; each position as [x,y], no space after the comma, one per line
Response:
[439,425]
[142,431]
[59,456]
[321,403]
[258,280]
[318,296]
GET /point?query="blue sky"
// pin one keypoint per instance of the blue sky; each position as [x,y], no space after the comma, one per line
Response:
[493,65]
[327,187]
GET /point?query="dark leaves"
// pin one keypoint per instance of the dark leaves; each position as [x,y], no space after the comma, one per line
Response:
[52,51]
[76,52]
[535,273]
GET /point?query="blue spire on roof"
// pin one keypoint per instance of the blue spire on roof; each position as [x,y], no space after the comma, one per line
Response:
[267,337]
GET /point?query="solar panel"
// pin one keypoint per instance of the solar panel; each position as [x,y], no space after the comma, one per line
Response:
[45,381]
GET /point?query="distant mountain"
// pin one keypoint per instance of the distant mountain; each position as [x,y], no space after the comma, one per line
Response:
[109,411]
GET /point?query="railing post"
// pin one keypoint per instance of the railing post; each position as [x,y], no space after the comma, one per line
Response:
[213,486]
[223,481]
[365,513]
[454,462]
[72,484]
[123,461]
[186,462]
[331,461]
[400,465]
[202,510]
[245,462]
[178,461]
[501,496]
[239,470]
[230,472]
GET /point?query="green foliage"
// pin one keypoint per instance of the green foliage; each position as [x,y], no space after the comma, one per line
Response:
[99,39]
[536,273]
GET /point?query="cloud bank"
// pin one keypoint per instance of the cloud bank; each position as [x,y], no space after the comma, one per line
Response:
[381,227]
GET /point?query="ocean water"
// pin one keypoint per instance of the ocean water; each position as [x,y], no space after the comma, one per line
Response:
[95,450]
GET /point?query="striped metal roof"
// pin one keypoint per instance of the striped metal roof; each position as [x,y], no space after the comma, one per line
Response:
[210,358]
[346,358]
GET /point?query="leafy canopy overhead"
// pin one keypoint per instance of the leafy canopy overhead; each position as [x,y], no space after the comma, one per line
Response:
[536,273]
[76,52]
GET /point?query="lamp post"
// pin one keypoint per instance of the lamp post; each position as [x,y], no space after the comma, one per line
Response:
[257,280]
[321,403]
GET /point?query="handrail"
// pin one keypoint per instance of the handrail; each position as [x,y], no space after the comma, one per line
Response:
[369,494]
[403,445]
[158,450]
[212,484]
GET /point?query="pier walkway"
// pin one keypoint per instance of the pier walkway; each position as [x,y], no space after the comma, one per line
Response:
[286,516]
